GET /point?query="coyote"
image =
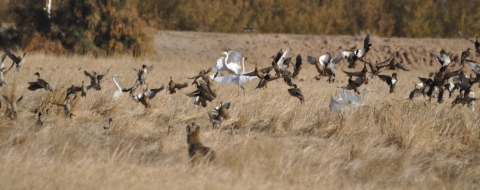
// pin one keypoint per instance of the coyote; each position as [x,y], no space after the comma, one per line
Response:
[196,150]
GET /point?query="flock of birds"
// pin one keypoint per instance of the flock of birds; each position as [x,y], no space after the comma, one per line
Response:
[232,67]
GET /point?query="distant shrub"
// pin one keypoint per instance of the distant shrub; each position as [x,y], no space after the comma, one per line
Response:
[98,27]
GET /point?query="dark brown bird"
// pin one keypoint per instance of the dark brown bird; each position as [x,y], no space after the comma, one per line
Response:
[296,92]
[364,74]
[172,86]
[260,73]
[40,83]
[298,66]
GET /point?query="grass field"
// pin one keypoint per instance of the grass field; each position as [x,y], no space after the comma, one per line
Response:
[277,143]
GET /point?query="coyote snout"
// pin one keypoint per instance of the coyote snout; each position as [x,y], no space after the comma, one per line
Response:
[196,150]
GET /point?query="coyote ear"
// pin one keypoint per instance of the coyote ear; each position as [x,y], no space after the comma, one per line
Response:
[197,129]
[188,129]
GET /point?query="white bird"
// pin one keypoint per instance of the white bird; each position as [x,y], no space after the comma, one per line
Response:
[443,59]
[230,63]
[345,98]
[117,92]
[238,79]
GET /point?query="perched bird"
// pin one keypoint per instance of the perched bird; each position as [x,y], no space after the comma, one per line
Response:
[298,66]
[142,73]
[172,86]
[95,79]
[296,93]
[476,43]
[40,83]
[390,80]
[145,97]
[17,60]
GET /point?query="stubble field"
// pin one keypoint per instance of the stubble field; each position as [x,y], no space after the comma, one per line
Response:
[277,143]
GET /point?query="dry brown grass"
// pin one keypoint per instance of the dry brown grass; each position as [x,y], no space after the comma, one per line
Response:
[278,143]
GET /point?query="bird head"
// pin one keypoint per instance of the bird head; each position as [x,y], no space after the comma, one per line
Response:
[37,73]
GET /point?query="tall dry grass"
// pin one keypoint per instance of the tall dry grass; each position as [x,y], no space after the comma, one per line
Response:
[277,143]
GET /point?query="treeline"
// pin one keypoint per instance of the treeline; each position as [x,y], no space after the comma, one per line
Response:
[98,27]
[106,27]
[401,18]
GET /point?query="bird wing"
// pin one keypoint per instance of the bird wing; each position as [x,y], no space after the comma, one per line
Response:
[324,59]
[226,105]
[298,61]
[461,34]
[366,41]
[282,58]
[444,60]
[137,97]
[350,97]
[243,79]
[234,57]
[99,77]
[180,85]
[386,79]
[333,63]
[88,74]
[473,65]
[7,99]
[13,57]
[286,63]
[148,69]
[425,80]
[20,99]
[346,54]
[223,79]
[312,60]
[335,104]
[278,56]
[219,65]
[357,74]
[400,66]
